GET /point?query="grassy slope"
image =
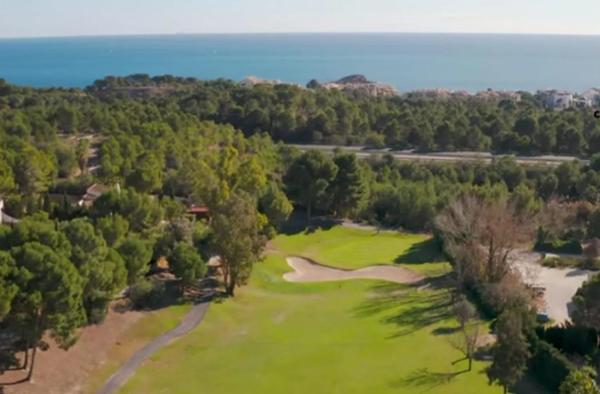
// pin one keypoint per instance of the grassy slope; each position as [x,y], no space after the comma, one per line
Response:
[343,337]
[355,248]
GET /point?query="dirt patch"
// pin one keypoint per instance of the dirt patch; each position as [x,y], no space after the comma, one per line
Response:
[66,372]
[308,271]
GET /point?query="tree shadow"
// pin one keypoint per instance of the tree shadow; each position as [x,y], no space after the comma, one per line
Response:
[405,308]
[427,251]
[298,223]
[445,331]
[425,379]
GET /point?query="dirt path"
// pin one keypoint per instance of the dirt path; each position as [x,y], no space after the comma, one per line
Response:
[308,271]
[191,320]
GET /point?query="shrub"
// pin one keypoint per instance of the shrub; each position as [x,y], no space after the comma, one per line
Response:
[549,366]
[571,339]
[147,294]
[560,262]
[559,246]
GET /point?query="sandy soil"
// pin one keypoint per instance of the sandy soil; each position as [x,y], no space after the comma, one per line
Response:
[308,271]
[561,284]
[66,372]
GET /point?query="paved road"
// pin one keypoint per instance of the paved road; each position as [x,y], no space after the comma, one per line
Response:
[191,320]
[407,155]
[561,284]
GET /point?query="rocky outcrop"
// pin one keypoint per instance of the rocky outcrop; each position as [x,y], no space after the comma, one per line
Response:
[360,84]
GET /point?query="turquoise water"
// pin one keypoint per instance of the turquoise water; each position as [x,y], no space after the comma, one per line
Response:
[407,61]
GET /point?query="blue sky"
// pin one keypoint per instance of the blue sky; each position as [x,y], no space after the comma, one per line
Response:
[26,18]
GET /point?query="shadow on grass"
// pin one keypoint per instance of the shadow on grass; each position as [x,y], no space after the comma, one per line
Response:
[168,293]
[425,379]
[445,331]
[406,308]
[427,251]
[298,223]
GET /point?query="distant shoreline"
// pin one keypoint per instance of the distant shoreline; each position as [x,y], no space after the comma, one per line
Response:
[299,33]
[407,61]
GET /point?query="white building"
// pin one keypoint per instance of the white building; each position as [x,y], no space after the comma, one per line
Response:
[4,218]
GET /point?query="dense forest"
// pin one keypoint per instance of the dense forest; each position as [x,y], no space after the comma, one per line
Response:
[162,145]
[412,121]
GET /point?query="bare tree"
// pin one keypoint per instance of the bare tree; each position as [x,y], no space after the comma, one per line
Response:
[479,235]
[466,341]
[464,311]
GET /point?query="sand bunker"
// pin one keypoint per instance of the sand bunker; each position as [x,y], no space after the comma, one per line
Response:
[308,271]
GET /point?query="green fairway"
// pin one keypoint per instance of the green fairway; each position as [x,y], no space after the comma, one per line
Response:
[356,248]
[340,337]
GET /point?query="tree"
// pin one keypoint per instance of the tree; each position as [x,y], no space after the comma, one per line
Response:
[309,177]
[113,228]
[467,341]
[579,381]
[510,352]
[103,272]
[50,298]
[82,153]
[587,307]
[464,311]
[480,235]
[34,171]
[147,174]
[8,289]
[348,188]
[137,255]
[186,263]
[275,205]
[237,238]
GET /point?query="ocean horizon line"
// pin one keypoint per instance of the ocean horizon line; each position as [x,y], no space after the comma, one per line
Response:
[302,33]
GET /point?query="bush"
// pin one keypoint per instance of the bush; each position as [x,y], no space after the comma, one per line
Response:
[571,339]
[147,294]
[591,264]
[560,262]
[559,246]
[549,366]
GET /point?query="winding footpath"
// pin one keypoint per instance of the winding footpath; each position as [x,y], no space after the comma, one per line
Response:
[305,270]
[189,322]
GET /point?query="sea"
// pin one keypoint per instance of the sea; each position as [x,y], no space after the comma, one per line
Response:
[470,62]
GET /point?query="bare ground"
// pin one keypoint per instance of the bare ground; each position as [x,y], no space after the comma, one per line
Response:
[66,372]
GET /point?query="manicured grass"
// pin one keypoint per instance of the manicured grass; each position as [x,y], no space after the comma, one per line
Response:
[143,331]
[352,248]
[339,337]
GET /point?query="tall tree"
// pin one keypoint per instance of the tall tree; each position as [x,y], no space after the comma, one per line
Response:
[348,188]
[103,273]
[511,350]
[308,178]
[137,255]
[238,242]
[50,299]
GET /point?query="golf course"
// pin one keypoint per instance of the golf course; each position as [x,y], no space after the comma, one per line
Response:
[348,336]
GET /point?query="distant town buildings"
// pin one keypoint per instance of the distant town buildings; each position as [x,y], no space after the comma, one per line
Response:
[561,99]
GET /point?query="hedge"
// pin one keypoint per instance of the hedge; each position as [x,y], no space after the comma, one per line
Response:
[571,339]
[549,366]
